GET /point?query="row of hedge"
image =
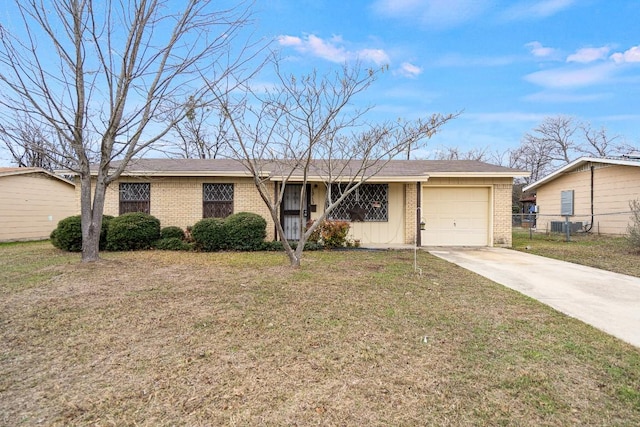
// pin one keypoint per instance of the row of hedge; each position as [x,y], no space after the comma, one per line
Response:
[242,231]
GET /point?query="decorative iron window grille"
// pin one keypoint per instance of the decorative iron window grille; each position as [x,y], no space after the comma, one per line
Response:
[135,197]
[217,200]
[369,202]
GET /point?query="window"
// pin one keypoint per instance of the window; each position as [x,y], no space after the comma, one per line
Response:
[369,203]
[135,197]
[217,200]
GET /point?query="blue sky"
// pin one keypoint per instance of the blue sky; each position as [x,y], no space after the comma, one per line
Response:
[506,64]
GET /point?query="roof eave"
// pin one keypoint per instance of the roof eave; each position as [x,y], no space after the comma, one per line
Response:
[377,178]
[479,174]
[46,172]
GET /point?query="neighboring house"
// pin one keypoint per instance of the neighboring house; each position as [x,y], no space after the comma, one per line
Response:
[460,202]
[32,201]
[594,193]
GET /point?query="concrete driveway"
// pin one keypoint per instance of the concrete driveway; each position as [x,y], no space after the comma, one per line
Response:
[608,301]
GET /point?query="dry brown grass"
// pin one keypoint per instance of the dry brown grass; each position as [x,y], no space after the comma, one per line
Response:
[161,338]
[612,253]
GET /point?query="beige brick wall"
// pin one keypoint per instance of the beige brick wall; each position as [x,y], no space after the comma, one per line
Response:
[502,220]
[178,200]
[410,196]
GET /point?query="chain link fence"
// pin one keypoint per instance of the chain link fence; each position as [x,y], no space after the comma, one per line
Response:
[615,223]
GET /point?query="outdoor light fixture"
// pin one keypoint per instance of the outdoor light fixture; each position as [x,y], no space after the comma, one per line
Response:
[422,224]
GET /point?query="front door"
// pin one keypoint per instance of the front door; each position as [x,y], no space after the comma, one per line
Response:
[290,210]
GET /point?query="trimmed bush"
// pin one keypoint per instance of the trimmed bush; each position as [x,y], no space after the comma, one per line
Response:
[332,234]
[172,244]
[315,236]
[131,231]
[172,231]
[633,229]
[245,231]
[278,246]
[209,234]
[68,234]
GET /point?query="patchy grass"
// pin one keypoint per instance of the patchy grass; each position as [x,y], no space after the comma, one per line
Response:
[612,253]
[351,338]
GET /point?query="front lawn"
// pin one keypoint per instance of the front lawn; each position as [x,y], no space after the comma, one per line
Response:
[612,253]
[157,338]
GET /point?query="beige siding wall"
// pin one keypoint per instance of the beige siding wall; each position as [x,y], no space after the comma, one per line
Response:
[178,200]
[32,204]
[500,204]
[388,232]
[614,187]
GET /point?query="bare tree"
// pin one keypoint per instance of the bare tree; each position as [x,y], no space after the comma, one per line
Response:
[455,153]
[306,128]
[100,75]
[598,142]
[556,134]
[201,132]
[558,141]
[32,145]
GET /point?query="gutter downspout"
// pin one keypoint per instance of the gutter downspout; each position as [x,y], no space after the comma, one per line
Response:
[592,198]
[418,214]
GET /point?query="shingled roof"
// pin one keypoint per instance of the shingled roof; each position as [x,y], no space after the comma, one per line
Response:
[12,171]
[397,170]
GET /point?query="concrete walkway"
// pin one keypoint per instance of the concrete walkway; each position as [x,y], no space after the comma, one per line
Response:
[605,300]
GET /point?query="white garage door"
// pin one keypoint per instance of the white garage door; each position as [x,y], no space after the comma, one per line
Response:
[455,216]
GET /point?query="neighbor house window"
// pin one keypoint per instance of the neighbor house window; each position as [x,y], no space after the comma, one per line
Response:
[135,197]
[368,202]
[217,200]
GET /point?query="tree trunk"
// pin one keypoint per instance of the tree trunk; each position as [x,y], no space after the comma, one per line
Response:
[91,218]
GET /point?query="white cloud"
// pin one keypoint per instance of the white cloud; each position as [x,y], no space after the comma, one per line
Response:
[631,55]
[540,51]
[333,49]
[537,9]
[433,14]
[572,77]
[564,97]
[377,56]
[589,54]
[409,70]
[289,41]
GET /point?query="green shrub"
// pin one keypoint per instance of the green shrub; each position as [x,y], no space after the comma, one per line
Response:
[315,236]
[172,244]
[209,234]
[275,245]
[106,219]
[278,246]
[68,234]
[172,231]
[334,233]
[131,231]
[245,231]
[633,229]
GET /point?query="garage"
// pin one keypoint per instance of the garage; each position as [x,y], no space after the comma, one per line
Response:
[455,216]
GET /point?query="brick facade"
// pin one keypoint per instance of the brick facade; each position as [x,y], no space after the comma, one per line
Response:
[177,201]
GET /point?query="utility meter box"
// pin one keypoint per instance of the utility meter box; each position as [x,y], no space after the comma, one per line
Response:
[566,203]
